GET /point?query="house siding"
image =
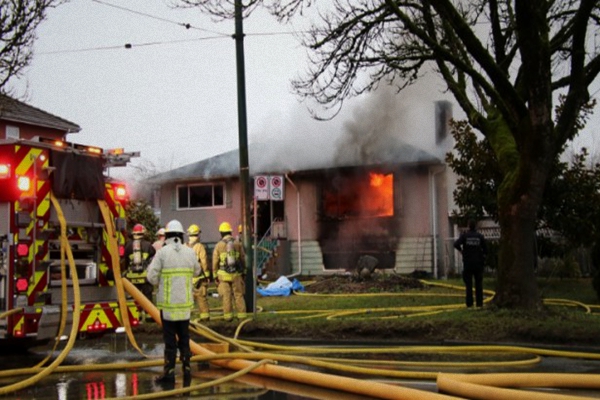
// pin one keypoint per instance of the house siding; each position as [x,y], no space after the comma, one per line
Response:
[411,229]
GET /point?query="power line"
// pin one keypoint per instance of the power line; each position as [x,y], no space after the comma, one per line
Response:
[164,42]
[220,35]
[185,25]
[129,45]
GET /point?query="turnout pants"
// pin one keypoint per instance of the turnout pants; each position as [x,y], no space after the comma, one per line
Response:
[201,295]
[235,288]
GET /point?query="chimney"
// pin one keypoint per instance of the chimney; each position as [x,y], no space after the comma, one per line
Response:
[443,114]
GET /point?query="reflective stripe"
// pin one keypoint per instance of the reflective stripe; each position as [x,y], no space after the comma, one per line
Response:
[226,276]
[169,275]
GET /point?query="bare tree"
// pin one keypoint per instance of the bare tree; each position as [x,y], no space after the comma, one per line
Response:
[18,21]
[505,61]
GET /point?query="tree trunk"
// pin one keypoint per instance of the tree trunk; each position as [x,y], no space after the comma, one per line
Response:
[516,283]
[518,202]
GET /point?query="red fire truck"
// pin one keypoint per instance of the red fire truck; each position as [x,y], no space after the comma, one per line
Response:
[43,184]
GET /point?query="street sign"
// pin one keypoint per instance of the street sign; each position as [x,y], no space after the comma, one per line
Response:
[261,187]
[276,186]
[269,187]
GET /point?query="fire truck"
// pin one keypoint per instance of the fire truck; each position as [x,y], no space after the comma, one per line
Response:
[44,185]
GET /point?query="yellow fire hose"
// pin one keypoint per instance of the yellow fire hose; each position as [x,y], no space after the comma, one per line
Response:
[368,388]
[465,385]
[116,267]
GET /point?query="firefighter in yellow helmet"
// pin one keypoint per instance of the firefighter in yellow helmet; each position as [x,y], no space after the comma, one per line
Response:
[229,267]
[200,283]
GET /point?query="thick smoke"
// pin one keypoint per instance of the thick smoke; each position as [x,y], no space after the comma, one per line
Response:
[383,126]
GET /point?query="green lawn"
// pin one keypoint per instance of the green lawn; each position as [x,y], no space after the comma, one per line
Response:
[430,314]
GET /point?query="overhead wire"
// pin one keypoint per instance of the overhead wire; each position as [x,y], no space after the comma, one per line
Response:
[185,25]
[217,34]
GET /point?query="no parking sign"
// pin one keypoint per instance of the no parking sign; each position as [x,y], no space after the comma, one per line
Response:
[261,187]
[276,187]
[269,187]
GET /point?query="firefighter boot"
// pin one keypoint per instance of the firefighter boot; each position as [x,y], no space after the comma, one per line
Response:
[187,369]
[167,379]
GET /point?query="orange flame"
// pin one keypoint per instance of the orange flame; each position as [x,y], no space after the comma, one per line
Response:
[380,200]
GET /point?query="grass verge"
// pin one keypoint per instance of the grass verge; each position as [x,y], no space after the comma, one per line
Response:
[419,314]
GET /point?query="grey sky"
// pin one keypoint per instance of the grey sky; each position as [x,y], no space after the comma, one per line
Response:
[172,96]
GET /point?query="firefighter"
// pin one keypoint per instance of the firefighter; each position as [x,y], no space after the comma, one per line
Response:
[200,283]
[160,239]
[240,231]
[173,269]
[229,267]
[137,256]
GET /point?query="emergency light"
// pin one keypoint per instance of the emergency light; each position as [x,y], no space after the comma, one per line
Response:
[22,284]
[94,150]
[24,183]
[22,249]
[120,192]
[4,171]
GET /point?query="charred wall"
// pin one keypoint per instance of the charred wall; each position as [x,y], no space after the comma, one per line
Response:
[359,214]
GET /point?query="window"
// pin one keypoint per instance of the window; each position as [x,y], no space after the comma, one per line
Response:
[201,196]
[358,194]
[12,132]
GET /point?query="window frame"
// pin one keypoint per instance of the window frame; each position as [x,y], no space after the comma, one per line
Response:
[212,185]
[12,132]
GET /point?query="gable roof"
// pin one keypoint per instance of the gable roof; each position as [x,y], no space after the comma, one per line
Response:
[265,159]
[17,111]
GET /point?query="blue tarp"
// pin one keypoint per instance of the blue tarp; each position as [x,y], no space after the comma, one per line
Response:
[281,287]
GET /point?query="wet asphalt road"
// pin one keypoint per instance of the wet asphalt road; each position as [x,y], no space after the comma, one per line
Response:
[122,383]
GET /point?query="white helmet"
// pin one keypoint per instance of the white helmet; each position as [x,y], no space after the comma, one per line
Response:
[160,232]
[174,226]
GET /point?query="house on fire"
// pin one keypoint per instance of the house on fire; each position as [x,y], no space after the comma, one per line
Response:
[372,193]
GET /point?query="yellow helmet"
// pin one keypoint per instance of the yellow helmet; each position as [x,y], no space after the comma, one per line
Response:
[240,228]
[194,230]
[225,227]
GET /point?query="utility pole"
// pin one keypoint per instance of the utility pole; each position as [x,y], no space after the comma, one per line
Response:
[244,164]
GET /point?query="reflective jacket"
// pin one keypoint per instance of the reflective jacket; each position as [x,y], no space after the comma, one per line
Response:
[172,269]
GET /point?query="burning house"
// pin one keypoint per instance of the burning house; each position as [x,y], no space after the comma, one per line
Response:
[373,194]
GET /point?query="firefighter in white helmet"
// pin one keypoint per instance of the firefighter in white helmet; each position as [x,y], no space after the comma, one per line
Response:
[229,267]
[138,254]
[173,269]
[200,283]
[160,239]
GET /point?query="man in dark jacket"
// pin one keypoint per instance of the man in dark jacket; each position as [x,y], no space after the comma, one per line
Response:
[471,245]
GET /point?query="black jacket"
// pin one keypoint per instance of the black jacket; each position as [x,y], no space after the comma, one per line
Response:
[472,246]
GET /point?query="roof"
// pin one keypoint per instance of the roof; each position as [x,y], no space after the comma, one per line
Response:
[264,159]
[17,111]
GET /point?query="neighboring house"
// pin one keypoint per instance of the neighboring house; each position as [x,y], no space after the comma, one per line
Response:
[22,121]
[380,197]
